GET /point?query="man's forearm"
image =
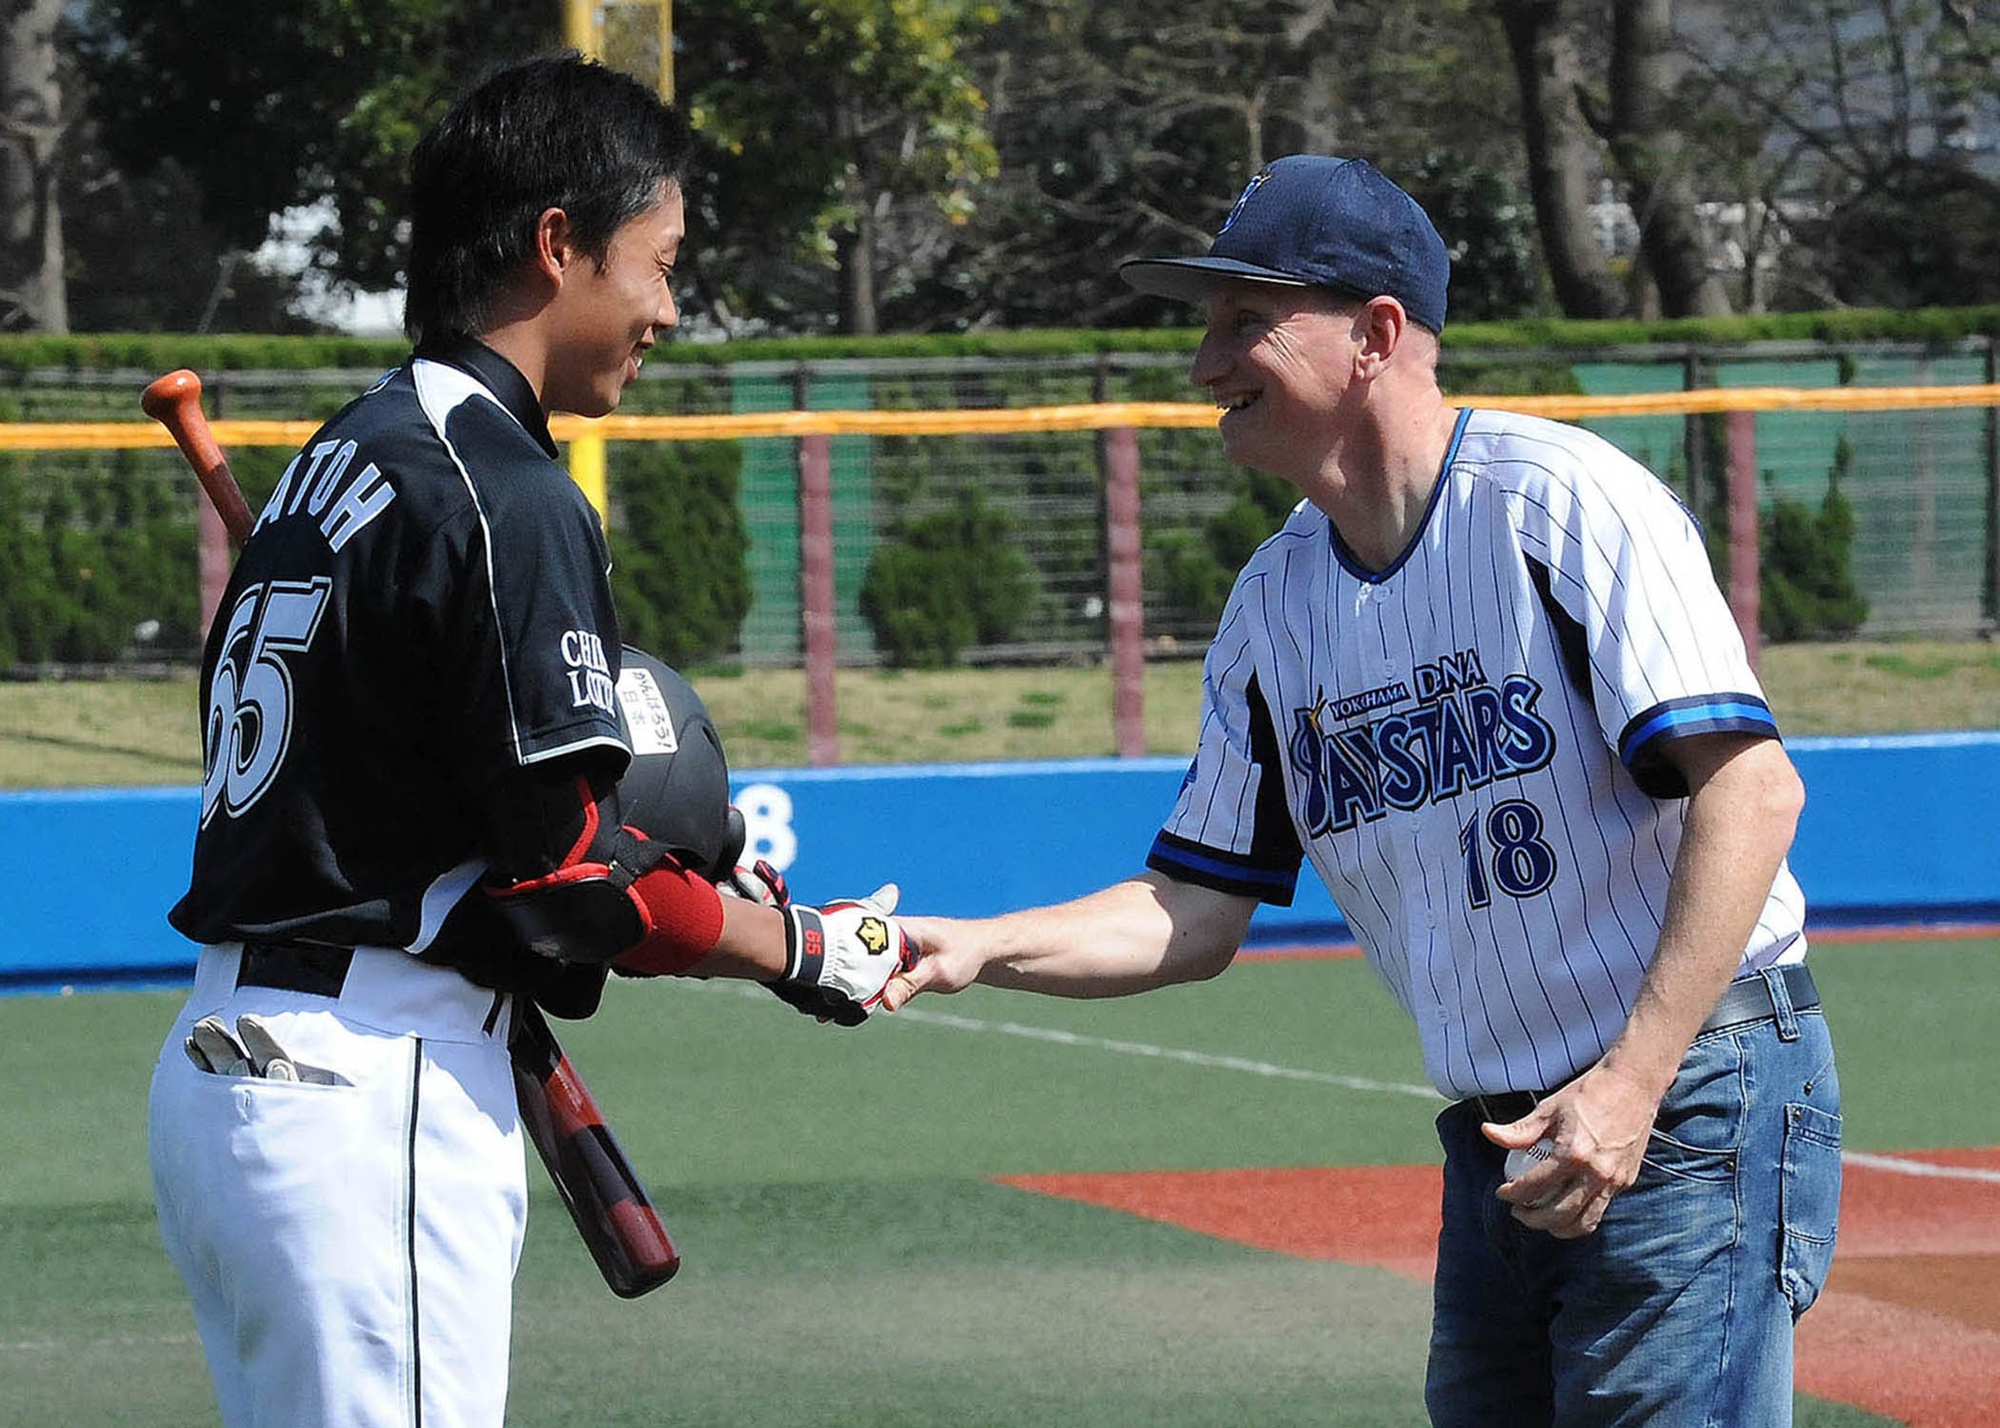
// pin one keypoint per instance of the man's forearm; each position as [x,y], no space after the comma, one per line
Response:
[1131,937]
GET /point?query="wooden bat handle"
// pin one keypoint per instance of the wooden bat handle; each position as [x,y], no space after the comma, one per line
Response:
[174,401]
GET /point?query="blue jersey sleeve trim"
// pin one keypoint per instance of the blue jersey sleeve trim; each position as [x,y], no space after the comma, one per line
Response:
[1641,747]
[1225,872]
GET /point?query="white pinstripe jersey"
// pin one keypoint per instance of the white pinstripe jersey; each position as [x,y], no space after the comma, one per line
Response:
[1467,746]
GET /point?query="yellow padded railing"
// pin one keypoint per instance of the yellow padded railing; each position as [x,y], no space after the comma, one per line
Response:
[83,436]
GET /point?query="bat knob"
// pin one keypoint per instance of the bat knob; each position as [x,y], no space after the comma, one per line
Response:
[164,394]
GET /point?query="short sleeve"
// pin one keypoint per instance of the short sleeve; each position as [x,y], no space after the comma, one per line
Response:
[1230,828]
[529,639]
[1625,563]
[558,629]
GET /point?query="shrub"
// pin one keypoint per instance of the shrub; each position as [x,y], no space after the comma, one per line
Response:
[943,581]
[679,547]
[86,560]
[1807,588]
[1195,575]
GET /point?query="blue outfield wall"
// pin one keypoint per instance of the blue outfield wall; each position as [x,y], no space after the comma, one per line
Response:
[1897,829]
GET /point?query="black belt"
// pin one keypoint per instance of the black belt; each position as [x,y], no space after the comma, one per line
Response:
[1744,1002]
[295,967]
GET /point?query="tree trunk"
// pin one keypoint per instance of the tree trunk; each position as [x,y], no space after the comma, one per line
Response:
[854,248]
[854,251]
[32,294]
[1653,165]
[1553,126]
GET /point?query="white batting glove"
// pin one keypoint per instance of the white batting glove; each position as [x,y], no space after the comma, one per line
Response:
[761,884]
[839,957]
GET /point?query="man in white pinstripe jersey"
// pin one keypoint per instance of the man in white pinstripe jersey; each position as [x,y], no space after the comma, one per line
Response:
[1482,679]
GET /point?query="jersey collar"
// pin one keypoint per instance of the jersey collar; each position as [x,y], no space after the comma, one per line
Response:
[500,377]
[1353,564]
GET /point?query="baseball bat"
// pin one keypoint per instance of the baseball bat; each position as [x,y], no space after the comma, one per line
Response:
[174,401]
[598,1185]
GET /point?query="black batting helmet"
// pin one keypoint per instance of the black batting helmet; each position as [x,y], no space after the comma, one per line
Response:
[677,788]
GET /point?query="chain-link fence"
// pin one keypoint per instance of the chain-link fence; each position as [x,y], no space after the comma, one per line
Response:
[985,547]
[1921,482]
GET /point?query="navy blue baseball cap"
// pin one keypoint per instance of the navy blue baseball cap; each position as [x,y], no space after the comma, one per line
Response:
[1310,221]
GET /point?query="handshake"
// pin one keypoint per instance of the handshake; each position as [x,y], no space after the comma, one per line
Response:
[839,957]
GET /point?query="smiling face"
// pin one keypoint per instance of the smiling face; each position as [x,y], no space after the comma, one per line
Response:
[608,313]
[1279,361]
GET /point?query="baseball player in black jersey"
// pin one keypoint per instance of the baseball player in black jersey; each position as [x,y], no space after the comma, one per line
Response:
[410,817]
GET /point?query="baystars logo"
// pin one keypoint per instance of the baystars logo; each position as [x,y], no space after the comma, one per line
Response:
[590,683]
[1464,733]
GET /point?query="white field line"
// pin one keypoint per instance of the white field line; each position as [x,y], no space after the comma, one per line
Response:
[1896,1165]
[1892,1164]
[1164,1053]
[1129,1048]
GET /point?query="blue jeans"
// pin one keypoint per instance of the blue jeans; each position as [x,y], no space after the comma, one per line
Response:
[1679,1309]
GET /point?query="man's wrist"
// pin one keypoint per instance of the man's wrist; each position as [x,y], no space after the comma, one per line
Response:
[805,947]
[1648,1071]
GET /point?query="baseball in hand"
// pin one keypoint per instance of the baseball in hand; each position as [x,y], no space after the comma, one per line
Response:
[1520,1162]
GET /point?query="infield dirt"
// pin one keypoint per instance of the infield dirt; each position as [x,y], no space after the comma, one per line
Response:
[1908,1326]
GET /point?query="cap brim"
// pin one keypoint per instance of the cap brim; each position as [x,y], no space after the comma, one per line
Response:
[1193,279]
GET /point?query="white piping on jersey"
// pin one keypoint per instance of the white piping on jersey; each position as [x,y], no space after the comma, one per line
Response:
[595,741]
[441,389]
[441,897]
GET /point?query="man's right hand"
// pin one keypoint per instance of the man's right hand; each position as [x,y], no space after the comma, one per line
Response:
[945,961]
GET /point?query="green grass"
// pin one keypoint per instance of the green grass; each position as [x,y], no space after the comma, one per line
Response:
[848,1259]
[71,733]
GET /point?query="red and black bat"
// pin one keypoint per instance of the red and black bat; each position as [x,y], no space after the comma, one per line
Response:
[612,1212]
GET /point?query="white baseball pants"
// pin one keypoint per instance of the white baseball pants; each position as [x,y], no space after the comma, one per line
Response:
[350,1248]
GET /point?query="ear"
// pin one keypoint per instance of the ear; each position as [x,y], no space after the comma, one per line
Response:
[1379,324]
[554,248]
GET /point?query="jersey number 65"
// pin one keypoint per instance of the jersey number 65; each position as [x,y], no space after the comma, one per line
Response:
[249,719]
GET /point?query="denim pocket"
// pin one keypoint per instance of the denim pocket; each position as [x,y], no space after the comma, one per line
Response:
[1699,1128]
[1808,1202]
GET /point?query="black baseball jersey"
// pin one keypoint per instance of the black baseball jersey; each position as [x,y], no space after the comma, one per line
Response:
[422,612]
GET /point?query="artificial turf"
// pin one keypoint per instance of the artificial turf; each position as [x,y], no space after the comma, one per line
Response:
[848,1258]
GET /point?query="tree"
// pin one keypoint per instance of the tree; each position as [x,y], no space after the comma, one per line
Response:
[1549,73]
[1632,126]
[316,100]
[32,120]
[835,125]
[1125,129]
[1653,160]
[845,131]
[1879,125]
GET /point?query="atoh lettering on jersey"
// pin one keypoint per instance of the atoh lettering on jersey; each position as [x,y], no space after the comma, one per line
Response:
[342,500]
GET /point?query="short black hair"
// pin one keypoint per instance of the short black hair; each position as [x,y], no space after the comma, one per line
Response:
[558,132]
